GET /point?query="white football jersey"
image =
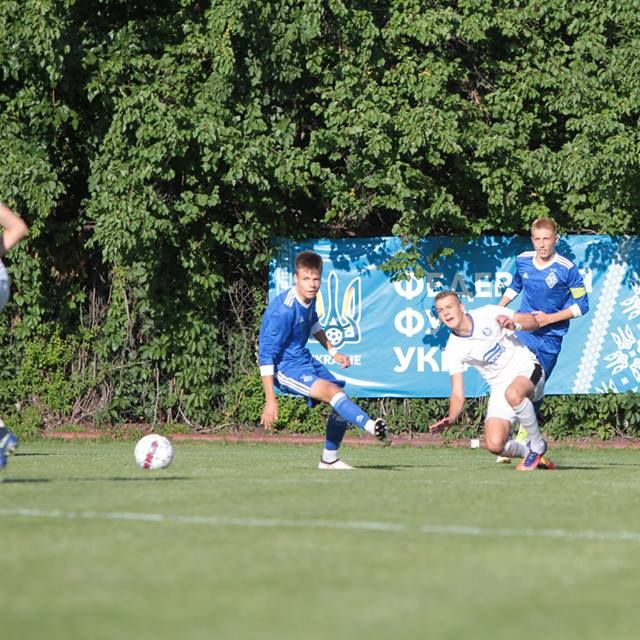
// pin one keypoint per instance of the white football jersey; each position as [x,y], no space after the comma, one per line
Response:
[494,351]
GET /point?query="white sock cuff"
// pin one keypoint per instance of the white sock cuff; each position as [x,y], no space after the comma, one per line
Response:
[329,455]
[334,401]
[523,405]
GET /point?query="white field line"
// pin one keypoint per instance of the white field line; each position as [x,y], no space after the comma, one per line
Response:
[218,521]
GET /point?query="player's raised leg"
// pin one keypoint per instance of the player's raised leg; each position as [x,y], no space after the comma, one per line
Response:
[347,409]
[349,412]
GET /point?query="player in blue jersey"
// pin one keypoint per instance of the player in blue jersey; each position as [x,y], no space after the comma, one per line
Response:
[553,290]
[286,363]
[14,229]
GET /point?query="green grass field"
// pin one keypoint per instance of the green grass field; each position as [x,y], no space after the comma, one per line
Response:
[242,541]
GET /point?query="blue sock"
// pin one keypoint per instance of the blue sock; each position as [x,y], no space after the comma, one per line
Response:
[349,410]
[336,428]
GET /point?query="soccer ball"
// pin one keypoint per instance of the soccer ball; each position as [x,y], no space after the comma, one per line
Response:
[153,452]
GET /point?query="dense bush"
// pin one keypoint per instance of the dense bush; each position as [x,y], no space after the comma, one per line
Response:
[156,148]
[569,417]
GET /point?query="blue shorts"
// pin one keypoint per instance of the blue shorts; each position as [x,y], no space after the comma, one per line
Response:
[546,349]
[298,380]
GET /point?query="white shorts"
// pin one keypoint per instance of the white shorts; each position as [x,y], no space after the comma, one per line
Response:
[498,406]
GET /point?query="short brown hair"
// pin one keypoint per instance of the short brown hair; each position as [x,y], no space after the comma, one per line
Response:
[544,223]
[445,294]
[309,260]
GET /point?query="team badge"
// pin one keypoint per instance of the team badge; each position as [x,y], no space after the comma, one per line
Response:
[551,280]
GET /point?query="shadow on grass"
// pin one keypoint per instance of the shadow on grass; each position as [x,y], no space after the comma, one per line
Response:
[114,479]
[19,480]
[20,454]
[621,464]
[397,467]
[576,467]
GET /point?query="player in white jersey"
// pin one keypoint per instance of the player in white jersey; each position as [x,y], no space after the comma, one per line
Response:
[13,230]
[483,338]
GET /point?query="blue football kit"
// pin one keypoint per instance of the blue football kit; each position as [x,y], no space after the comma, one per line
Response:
[286,327]
[282,353]
[553,287]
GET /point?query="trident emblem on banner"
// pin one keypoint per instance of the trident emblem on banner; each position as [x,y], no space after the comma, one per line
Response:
[340,319]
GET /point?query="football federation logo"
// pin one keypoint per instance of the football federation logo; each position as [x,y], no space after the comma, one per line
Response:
[340,316]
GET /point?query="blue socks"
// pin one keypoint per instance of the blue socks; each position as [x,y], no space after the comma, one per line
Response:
[336,428]
[349,410]
[344,411]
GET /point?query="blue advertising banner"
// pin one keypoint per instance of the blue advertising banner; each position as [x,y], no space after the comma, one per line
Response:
[392,334]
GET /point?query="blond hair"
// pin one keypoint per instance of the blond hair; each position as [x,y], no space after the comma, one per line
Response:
[445,294]
[544,223]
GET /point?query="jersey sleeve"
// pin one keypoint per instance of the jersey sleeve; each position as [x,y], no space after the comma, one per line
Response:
[275,329]
[496,310]
[579,297]
[315,322]
[452,359]
[516,284]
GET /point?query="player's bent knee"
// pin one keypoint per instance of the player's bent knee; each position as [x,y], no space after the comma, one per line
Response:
[495,445]
[514,396]
[496,433]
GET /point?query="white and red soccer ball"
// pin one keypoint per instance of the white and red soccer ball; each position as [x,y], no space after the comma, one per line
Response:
[153,452]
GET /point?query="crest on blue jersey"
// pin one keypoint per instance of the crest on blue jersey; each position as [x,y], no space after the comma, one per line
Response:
[339,311]
[551,280]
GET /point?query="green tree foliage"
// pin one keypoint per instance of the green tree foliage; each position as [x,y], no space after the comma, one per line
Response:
[157,148]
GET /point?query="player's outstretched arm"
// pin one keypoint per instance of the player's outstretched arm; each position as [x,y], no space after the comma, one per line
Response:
[343,360]
[519,322]
[527,321]
[15,228]
[441,424]
[456,404]
[551,318]
[270,411]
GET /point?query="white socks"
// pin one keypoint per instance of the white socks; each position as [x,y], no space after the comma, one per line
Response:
[369,427]
[527,416]
[329,455]
[514,449]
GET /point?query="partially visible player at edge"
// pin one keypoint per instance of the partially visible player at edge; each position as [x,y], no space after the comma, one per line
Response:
[484,338]
[553,290]
[286,363]
[14,229]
